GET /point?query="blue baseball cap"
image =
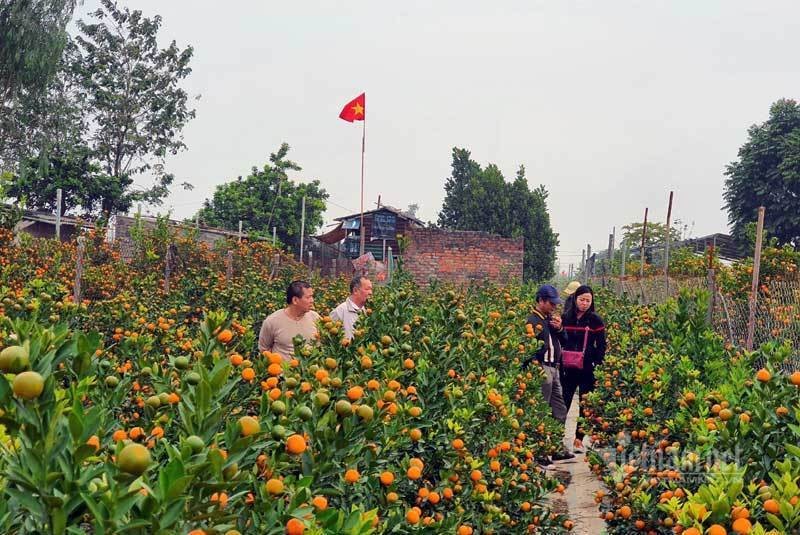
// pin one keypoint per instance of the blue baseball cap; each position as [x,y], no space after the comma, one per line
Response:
[548,293]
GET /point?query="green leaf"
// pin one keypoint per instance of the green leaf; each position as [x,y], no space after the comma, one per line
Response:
[75,424]
[173,512]
[124,504]
[26,499]
[178,486]
[775,521]
[5,391]
[786,509]
[792,449]
[133,525]
[352,520]
[59,519]
[220,375]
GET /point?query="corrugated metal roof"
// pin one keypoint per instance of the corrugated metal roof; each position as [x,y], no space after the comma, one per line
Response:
[334,235]
[385,208]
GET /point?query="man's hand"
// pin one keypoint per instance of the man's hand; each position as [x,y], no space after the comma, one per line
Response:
[555,322]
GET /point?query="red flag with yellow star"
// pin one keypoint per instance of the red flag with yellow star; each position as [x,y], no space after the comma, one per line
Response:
[355,109]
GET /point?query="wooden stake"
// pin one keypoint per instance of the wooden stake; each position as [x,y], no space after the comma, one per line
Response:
[58,214]
[76,294]
[666,249]
[712,288]
[389,264]
[751,322]
[624,258]
[167,268]
[644,240]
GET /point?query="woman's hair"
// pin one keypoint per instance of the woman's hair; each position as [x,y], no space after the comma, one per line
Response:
[571,314]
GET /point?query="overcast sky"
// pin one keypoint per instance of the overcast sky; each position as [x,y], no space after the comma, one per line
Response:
[609,104]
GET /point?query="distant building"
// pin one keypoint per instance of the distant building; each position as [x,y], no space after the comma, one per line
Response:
[724,246]
[40,224]
[381,228]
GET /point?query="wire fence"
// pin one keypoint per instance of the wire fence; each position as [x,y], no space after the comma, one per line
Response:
[777,309]
[332,261]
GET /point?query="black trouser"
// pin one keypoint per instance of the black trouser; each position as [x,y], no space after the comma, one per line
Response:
[581,381]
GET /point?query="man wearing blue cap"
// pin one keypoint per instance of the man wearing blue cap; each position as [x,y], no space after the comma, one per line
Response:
[548,329]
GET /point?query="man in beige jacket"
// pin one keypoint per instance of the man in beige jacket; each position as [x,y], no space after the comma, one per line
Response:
[297,318]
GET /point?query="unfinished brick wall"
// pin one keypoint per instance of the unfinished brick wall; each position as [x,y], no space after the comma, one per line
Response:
[462,256]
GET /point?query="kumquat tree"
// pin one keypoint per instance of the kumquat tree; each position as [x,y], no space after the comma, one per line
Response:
[191,344]
[141,411]
[137,410]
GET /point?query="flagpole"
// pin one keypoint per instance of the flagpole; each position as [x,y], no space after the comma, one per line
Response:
[363,139]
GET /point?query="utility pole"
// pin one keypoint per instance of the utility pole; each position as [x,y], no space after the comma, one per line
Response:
[303,227]
[583,262]
[589,271]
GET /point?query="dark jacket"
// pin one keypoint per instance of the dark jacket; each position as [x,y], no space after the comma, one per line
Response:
[596,343]
[541,329]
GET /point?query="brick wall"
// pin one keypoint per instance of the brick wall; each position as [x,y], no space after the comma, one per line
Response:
[462,257]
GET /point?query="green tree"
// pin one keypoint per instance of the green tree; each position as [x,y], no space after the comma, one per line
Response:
[114,109]
[267,198]
[136,103]
[454,210]
[72,171]
[767,173]
[53,119]
[44,144]
[481,199]
[32,38]
[656,234]
[9,214]
[540,240]
[487,203]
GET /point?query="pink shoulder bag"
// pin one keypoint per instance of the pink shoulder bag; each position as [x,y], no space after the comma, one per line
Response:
[574,359]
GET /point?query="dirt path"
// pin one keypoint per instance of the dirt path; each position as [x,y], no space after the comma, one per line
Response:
[578,498]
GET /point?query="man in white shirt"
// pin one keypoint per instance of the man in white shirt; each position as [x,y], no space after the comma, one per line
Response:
[348,312]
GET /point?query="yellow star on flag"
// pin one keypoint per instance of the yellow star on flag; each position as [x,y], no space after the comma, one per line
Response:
[355,110]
